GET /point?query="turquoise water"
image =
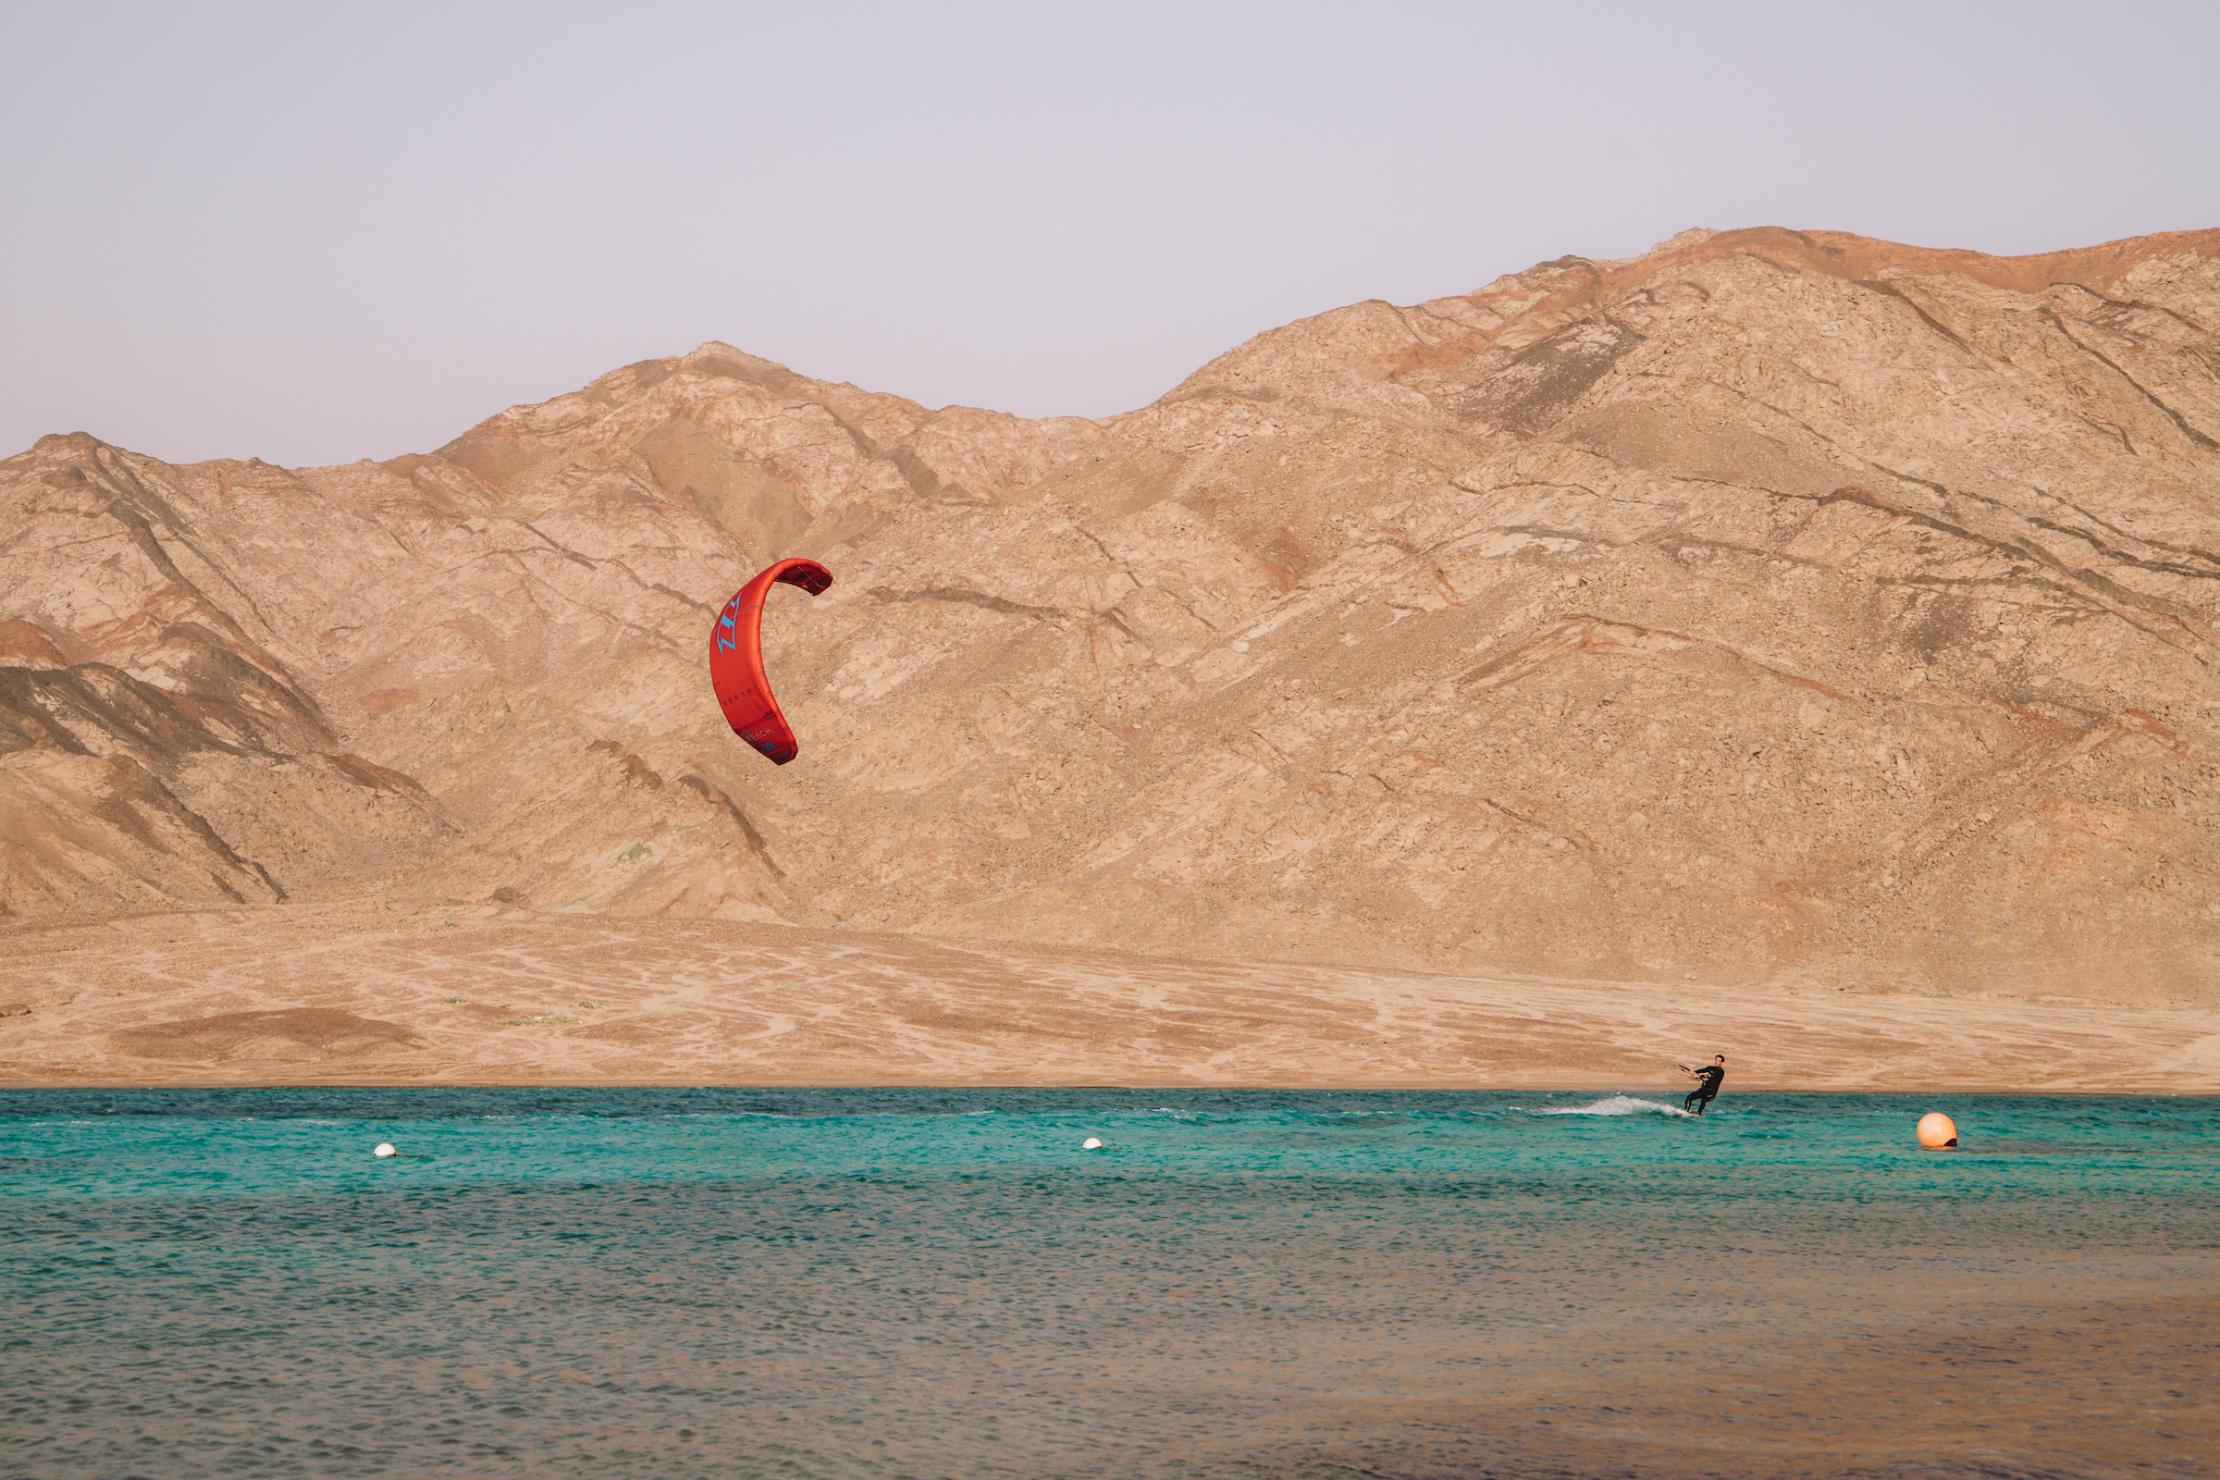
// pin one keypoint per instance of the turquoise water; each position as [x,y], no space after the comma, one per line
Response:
[819,1282]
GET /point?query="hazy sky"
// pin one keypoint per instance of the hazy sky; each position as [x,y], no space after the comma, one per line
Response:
[313,233]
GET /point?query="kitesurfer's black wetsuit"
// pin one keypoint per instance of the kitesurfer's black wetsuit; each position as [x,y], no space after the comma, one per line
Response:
[1707,1086]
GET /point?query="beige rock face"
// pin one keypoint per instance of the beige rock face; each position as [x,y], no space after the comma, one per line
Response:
[1772,607]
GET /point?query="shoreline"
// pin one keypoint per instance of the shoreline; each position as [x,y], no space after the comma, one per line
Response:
[354,996]
[186,1085]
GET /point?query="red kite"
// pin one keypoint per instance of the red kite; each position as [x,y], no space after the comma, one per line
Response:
[736,659]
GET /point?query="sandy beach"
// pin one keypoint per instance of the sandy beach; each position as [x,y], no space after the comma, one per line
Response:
[360,994]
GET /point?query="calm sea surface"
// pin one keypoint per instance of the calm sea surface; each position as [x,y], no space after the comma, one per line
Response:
[942,1283]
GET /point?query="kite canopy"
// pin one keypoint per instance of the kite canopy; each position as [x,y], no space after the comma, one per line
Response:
[736,659]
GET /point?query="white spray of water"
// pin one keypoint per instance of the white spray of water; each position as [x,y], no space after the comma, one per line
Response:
[1620,1105]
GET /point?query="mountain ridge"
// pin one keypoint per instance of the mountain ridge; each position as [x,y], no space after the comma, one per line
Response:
[1768,606]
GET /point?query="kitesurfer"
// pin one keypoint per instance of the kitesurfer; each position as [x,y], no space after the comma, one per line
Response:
[1707,1083]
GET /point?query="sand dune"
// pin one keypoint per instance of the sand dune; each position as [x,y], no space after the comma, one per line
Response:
[365,994]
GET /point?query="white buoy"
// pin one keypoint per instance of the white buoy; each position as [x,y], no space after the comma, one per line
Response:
[385,1148]
[1092,1143]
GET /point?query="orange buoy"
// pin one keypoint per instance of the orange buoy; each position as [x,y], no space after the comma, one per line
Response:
[1937,1132]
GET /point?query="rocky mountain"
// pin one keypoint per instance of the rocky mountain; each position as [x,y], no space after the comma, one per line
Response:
[1774,606]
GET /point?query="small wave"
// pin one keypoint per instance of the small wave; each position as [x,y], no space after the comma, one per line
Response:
[1618,1105]
[842,1114]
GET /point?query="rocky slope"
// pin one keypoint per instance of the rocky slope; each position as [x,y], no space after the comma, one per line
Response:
[1773,606]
